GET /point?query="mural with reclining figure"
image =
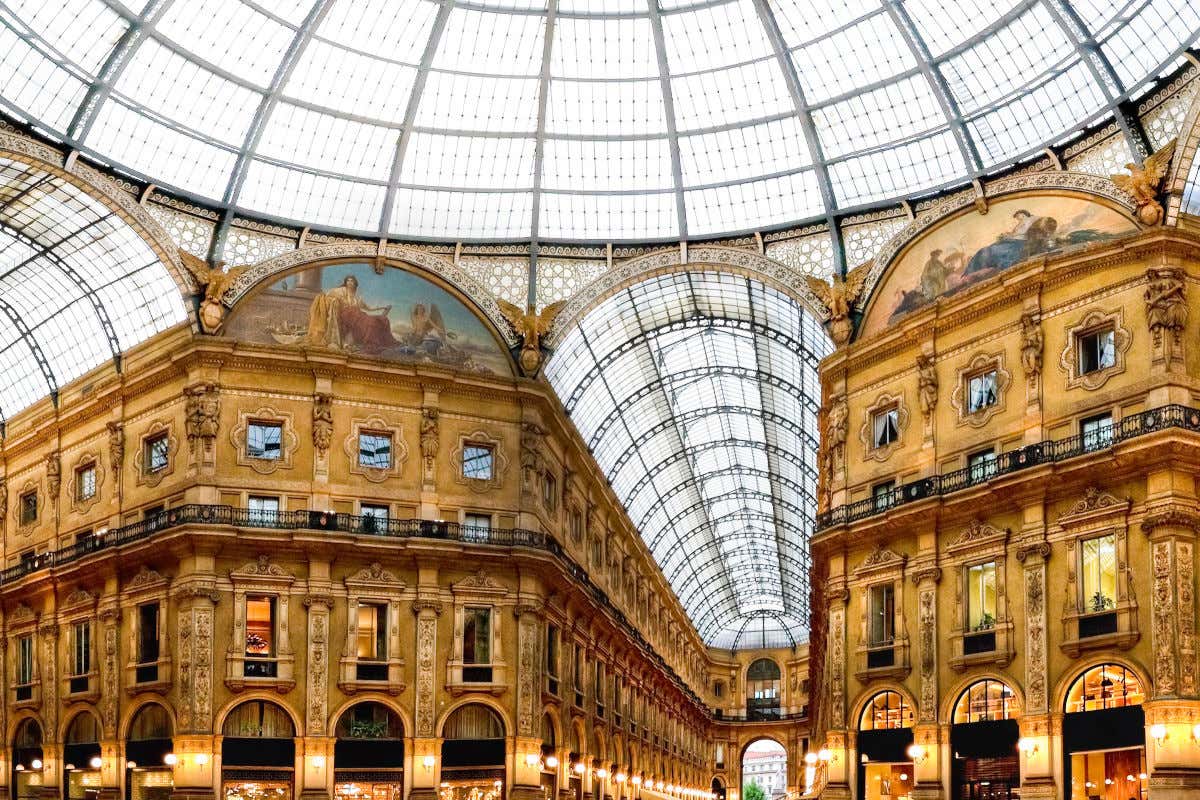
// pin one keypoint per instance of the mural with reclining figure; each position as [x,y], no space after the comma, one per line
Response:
[972,247]
[351,308]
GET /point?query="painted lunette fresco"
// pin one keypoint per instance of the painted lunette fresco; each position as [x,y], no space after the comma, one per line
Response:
[352,308]
[973,247]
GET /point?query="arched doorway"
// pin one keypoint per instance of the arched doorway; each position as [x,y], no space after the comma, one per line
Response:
[1104,735]
[718,789]
[983,740]
[885,768]
[258,752]
[576,764]
[549,763]
[81,758]
[368,753]
[764,770]
[473,754]
[762,690]
[27,760]
[147,775]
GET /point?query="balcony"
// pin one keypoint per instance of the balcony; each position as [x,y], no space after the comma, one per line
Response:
[1046,452]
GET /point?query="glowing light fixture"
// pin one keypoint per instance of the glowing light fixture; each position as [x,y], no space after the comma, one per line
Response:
[427,762]
[1158,732]
[170,759]
[95,762]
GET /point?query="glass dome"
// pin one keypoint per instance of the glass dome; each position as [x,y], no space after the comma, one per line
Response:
[573,120]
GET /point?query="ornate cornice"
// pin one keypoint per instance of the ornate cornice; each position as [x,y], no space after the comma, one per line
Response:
[1180,517]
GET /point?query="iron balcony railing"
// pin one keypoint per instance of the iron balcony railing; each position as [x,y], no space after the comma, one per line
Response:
[197,514]
[1046,452]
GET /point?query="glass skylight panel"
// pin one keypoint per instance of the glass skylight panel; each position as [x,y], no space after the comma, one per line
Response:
[1150,37]
[290,11]
[229,34]
[1035,117]
[607,164]
[453,102]
[945,24]
[891,113]
[715,36]
[82,31]
[481,215]
[1027,48]
[851,58]
[387,28]
[296,135]
[599,48]
[606,108]
[186,93]
[151,148]
[752,205]
[24,383]
[899,170]
[744,93]
[491,43]
[34,85]
[351,82]
[606,217]
[799,25]
[280,191]
[479,162]
[72,340]
[744,152]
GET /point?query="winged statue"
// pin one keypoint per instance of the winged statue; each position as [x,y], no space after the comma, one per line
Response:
[839,296]
[1145,181]
[532,325]
[215,281]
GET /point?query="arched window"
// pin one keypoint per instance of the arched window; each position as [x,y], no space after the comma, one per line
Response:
[473,721]
[473,751]
[762,690]
[146,747]
[27,759]
[84,729]
[149,723]
[258,734]
[886,711]
[984,701]
[370,721]
[1104,686]
[258,719]
[548,737]
[29,735]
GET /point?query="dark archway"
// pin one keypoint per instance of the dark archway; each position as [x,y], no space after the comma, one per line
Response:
[368,753]
[884,736]
[81,758]
[258,752]
[983,741]
[27,760]
[473,753]
[764,770]
[762,689]
[147,744]
[1104,732]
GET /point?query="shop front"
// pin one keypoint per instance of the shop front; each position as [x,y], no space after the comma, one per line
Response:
[983,741]
[473,755]
[148,747]
[81,758]
[1104,736]
[27,760]
[368,755]
[258,753]
[885,770]
[548,777]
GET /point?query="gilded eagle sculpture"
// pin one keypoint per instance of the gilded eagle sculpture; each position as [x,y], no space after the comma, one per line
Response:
[1144,182]
[532,325]
[215,281]
[839,296]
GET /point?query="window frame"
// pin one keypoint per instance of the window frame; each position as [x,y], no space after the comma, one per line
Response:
[1103,435]
[886,614]
[157,452]
[1082,338]
[28,508]
[473,613]
[469,457]
[81,652]
[81,482]
[890,417]
[972,406]
[264,424]
[1088,602]
[272,644]
[982,464]
[379,630]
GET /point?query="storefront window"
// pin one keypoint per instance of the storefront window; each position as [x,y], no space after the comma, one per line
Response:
[1102,687]
[148,777]
[886,711]
[1104,745]
[985,701]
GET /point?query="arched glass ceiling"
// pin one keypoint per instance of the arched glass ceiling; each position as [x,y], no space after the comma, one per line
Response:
[697,393]
[78,285]
[600,120]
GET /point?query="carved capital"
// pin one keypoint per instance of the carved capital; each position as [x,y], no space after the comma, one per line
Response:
[317,599]
[1040,548]
[932,574]
[420,605]
[1173,517]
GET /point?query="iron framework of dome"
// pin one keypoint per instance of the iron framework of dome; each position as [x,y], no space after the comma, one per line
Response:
[575,120]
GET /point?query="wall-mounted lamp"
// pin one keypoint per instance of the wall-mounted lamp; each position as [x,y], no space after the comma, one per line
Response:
[827,755]
[35,764]
[95,762]
[620,777]
[601,773]
[916,752]
[1158,732]
[1196,732]
[810,759]
[531,759]
[130,765]
[170,759]
[579,767]
[636,780]
[551,762]
[19,767]
[427,762]
[1027,745]
[318,762]
[202,759]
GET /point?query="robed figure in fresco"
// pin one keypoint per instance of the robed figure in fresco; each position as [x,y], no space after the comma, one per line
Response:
[340,317]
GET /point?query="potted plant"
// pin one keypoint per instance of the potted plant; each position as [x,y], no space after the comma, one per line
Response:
[368,729]
[986,622]
[1101,602]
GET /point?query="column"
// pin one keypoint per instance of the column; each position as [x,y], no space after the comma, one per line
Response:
[928,752]
[194,778]
[109,614]
[840,755]
[426,746]
[316,772]
[1040,739]
[528,743]
[51,748]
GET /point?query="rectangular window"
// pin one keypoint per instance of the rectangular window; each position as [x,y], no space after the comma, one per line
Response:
[477,635]
[478,461]
[881,494]
[576,526]
[477,527]
[1097,432]
[29,508]
[882,610]
[981,596]
[81,648]
[147,633]
[375,450]
[885,426]
[85,482]
[982,465]
[549,490]
[552,651]
[158,452]
[260,626]
[1098,559]
[372,631]
[1097,350]
[981,391]
[577,675]
[598,687]
[376,511]
[262,510]
[25,660]
[264,440]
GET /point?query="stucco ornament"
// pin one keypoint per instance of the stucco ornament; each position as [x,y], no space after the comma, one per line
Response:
[927,385]
[53,474]
[322,423]
[837,417]
[202,412]
[116,447]
[839,297]
[1032,342]
[214,281]
[1166,311]
[429,441]
[531,325]
[1144,181]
